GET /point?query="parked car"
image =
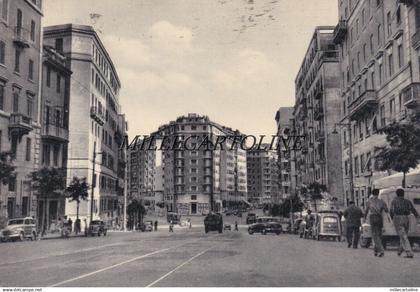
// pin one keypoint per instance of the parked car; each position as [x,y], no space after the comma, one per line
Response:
[260,224]
[146,226]
[389,235]
[174,217]
[213,222]
[251,218]
[272,227]
[20,229]
[227,227]
[285,225]
[97,227]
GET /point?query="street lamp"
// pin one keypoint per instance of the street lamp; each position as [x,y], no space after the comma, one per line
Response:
[93,182]
[351,183]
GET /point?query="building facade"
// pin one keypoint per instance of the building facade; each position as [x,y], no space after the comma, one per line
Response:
[285,128]
[189,180]
[316,113]
[93,119]
[263,175]
[20,57]
[54,116]
[379,57]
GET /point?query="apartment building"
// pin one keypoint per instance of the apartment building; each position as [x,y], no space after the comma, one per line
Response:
[189,180]
[285,128]
[20,57]
[54,117]
[316,113]
[93,118]
[379,68]
[263,175]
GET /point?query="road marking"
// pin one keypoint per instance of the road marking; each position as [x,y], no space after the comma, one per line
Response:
[178,267]
[61,254]
[109,267]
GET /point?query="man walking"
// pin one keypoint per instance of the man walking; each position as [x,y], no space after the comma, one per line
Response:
[375,207]
[353,214]
[400,210]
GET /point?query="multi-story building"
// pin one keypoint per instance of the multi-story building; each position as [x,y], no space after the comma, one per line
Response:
[54,117]
[191,181]
[20,57]
[379,57]
[317,110]
[263,175]
[93,119]
[285,129]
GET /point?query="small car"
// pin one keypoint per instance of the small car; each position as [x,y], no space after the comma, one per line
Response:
[146,226]
[97,227]
[213,222]
[272,227]
[227,227]
[20,229]
[260,225]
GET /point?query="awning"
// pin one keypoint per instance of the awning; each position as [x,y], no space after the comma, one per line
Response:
[412,179]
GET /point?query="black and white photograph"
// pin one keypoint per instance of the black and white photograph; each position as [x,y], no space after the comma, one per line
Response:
[209,144]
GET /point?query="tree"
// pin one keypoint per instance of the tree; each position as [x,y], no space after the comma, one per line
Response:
[135,211]
[314,192]
[7,169]
[77,191]
[403,150]
[47,182]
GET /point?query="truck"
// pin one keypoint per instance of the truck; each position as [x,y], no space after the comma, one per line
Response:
[213,222]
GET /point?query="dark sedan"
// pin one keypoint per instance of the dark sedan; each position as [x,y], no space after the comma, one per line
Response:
[97,227]
[265,225]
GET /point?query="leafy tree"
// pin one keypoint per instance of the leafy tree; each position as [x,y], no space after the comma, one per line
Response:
[7,169]
[47,182]
[135,211]
[291,204]
[314,192]
[77,191]
[403,150]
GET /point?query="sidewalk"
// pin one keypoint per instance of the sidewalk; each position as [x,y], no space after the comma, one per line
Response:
[57,235]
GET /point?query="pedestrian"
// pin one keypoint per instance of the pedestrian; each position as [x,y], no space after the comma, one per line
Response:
[189,223]
[171,227]
[70,225]
[400,210]
[156,225]
[77,226]
[375,207]
[353,214]
[236,226]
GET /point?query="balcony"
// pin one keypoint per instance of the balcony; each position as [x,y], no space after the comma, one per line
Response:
[97,115]
[55,133]
[329,56]
[415,39]
[411,95]
[21,37]
[340,32]
[364,103]
[406,2]
[20,124]
[318,113]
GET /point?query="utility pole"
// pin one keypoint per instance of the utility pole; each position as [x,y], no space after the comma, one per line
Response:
[93,182]
[125,189]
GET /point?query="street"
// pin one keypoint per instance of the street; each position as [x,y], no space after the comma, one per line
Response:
[191,258]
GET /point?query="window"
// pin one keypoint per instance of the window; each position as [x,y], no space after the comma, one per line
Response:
[5,9]
[30,105]
[2,53]
[59,45]
[364,52]
[398,15]
[392,107]
[390,65]
[356,166]
[362,163]
[371,44]
[367,130]
[382,115]
[379,34]
[56,152]
[19,19]
[15,102]
[31,70]
[12,184]
[46,149]
[2,96]
[58,83]
[48,76]
[400,56]
[372,79]
[388,23]
[380,73]
[368,162]
[363,17]
[346,167]
[33,27]
[17,60]
[28,149]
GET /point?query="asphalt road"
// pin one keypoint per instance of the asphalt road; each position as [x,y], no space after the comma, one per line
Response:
[188,257]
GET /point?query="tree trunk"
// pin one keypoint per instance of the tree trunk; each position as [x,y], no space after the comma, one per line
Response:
[44,219]
[403,181]
[77,210]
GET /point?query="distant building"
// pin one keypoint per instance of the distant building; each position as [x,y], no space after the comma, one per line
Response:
[20,127]
[55,102]
[285,129]
[263,175]
[379,44]
[316,113]
[94,117]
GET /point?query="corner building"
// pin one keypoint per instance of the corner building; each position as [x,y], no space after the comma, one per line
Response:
[94,117]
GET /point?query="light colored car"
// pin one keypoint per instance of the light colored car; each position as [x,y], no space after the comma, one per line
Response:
[20,229]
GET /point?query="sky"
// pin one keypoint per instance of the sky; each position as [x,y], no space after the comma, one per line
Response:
[232,60]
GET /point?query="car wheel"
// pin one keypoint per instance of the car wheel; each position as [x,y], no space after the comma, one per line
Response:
[278,233]
[250,232]
[339,238]
[21,237]
[33,238]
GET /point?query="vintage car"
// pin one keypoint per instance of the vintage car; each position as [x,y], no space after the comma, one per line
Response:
[213,222]
[97,228]
[260,225]
[272,227]
[251,218]
[19,229]
[286,225]
[227,227]
[327,225]
[389,234]
[146,226]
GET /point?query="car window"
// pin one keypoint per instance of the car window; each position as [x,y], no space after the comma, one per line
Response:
[416,201]
[15,222]
[330,220]
[28,221]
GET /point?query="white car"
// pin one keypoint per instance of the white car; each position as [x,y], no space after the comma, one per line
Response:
[19,229]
